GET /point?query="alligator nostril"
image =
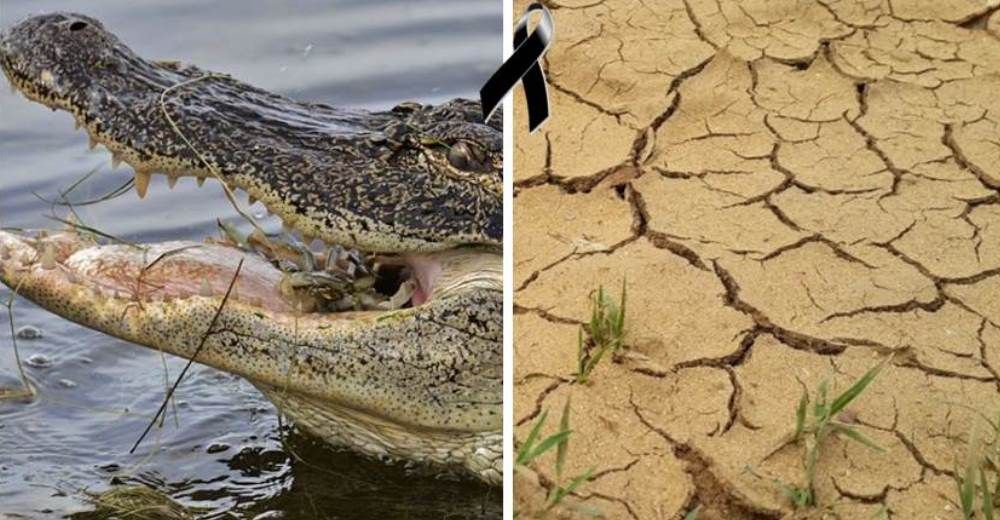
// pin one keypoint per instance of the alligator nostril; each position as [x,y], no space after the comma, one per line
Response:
[77,26]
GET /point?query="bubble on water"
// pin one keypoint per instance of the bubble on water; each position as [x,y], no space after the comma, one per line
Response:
[29,332]
[38,361]
[67,383]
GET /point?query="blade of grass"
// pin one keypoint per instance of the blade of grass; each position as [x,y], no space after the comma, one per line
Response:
[73,186]
[820,410]
[226,189]
[563,447]
[856,389]
[967,492]
[620,323]
[560,492]
[201,345]
[94,231]
[29,389]
[857,436]
[595,358]
[522,455]
[987,495]
[800,414]
[111,195]
[548,443]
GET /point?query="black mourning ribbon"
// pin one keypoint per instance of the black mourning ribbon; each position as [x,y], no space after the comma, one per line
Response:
[523,66]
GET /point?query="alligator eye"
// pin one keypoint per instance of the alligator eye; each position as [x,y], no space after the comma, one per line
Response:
[459,156]
[465,157]
[77,26]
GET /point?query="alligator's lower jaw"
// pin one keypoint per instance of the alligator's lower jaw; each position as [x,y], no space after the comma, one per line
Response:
[377,382]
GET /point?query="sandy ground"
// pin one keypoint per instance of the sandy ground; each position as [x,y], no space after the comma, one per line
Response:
[793,191]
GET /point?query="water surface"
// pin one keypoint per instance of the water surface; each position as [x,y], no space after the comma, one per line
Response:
[222,447]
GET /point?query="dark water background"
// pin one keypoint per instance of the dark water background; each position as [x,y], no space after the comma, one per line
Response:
[224,449]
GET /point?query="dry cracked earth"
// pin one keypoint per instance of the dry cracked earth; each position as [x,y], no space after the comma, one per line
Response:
[793,191]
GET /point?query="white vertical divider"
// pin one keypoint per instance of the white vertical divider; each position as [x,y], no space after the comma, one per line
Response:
[508,274]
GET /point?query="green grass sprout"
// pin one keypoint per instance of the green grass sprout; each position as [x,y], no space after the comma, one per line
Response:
[532,448]
[606,331]
[814,424]
[973,481]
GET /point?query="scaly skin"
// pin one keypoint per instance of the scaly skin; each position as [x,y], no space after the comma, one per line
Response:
[419,182]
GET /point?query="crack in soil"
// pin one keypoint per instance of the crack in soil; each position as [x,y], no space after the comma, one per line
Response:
[723,500]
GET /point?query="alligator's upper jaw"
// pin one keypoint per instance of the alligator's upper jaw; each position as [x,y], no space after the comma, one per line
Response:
[379,181]
[403,383]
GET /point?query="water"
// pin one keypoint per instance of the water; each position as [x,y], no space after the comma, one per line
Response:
[222,447]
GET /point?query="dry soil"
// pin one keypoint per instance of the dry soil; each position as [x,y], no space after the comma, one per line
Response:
[793,192]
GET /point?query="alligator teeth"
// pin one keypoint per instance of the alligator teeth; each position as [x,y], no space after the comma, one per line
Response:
[49,257]
[286,227]
[251,199]
[76,124]
[201,181]
[308,239]
[403,295]
[206,288]
[142,183]
[116,161]
[93,143]
[171,181]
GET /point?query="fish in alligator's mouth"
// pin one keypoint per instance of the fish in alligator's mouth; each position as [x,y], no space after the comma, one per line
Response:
[415,192]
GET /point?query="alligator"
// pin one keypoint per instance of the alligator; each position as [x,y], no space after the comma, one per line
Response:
[417,187]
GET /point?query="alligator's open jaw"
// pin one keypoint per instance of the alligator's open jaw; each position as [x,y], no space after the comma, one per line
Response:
[419,383]
[175,270]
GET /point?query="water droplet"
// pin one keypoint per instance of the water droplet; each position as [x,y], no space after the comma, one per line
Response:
[29,332]
[38,361]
